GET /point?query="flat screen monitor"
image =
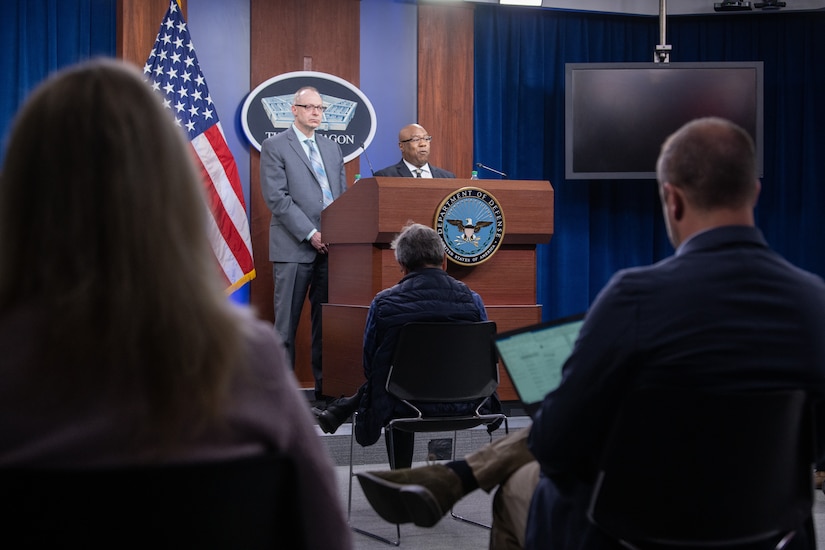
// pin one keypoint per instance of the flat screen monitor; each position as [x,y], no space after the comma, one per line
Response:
[618,114]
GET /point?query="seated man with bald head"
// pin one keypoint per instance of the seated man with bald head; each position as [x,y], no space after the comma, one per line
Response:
[725,312]
[414,142]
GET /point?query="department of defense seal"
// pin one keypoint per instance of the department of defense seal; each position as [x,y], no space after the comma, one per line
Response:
[471,224]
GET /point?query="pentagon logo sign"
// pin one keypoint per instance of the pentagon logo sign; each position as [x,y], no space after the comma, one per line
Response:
[349,119]
[471,224]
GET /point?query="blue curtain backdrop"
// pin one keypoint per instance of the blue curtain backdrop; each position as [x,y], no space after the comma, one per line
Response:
[40,36]
[602,226]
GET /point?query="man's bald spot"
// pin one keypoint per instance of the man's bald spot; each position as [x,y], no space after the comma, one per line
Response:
[409,129]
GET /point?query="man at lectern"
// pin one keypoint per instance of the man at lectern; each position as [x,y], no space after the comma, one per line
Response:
[414,142]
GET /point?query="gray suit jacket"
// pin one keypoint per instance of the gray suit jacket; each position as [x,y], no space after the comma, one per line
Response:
[293,194]
[400,170]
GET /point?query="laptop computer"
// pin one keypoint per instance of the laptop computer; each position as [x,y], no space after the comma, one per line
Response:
[534,355]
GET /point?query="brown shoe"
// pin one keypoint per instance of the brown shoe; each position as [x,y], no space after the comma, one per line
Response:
[412,495]
[819,477]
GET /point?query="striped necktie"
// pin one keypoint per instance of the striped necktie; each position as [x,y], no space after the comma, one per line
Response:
[318,166]
[418,172]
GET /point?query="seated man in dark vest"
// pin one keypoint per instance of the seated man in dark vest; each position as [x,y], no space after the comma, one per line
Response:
[425,293]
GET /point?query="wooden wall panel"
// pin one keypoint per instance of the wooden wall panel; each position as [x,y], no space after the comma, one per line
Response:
[138,22]
[445,83]
[286,36]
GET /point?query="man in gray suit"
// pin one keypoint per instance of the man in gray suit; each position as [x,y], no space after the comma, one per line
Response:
[414,142]
[301,174]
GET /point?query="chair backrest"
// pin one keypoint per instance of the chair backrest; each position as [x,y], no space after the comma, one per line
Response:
[444,362]
[243,503]
[687,467]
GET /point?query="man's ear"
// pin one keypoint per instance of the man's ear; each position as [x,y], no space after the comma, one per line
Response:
[674,201]
[756,193]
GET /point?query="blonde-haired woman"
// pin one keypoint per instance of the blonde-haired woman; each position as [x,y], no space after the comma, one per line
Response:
[118,344]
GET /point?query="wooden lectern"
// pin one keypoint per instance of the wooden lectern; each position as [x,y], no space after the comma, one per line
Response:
[362,222]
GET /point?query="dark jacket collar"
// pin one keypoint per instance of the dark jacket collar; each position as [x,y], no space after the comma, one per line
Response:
[723,236]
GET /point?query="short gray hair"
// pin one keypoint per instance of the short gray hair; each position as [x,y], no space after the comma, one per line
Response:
[418,246]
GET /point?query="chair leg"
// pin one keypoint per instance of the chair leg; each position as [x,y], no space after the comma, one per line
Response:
[783,542]
[470,521]
[349,490]
[452,510]
[397,541]
[390,435]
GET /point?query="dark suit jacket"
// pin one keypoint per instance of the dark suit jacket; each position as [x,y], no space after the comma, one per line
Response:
[724,312]
[400,170]
[293,194]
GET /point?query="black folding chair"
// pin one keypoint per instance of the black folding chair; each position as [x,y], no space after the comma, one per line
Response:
[440,362]
[701,469]
[244,503]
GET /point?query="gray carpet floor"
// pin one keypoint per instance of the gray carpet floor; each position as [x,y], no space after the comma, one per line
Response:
[449,533]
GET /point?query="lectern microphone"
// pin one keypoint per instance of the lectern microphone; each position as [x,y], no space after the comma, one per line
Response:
[368,159]
[493,170]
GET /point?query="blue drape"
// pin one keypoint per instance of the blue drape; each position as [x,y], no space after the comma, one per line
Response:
[40,36]
[603,226]
[600,226]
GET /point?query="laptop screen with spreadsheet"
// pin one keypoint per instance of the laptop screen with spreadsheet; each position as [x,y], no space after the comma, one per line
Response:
[534,355]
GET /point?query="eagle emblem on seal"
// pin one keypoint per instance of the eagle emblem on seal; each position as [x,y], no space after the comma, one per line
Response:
[468,229]
[470,222]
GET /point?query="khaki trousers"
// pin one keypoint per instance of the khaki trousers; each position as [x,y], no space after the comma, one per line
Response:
[507,464]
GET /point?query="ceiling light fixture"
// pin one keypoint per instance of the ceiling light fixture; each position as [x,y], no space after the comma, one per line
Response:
[534,3]
[732,5]
[769,5]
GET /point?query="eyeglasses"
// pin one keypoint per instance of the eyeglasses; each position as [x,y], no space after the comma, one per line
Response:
[416,139]
[320,108]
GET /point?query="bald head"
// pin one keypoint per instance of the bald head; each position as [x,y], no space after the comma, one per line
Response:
[713,160]
[415,149]
[411,130]
[707,177]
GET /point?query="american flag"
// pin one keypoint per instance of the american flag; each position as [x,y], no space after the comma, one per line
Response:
[173,71]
